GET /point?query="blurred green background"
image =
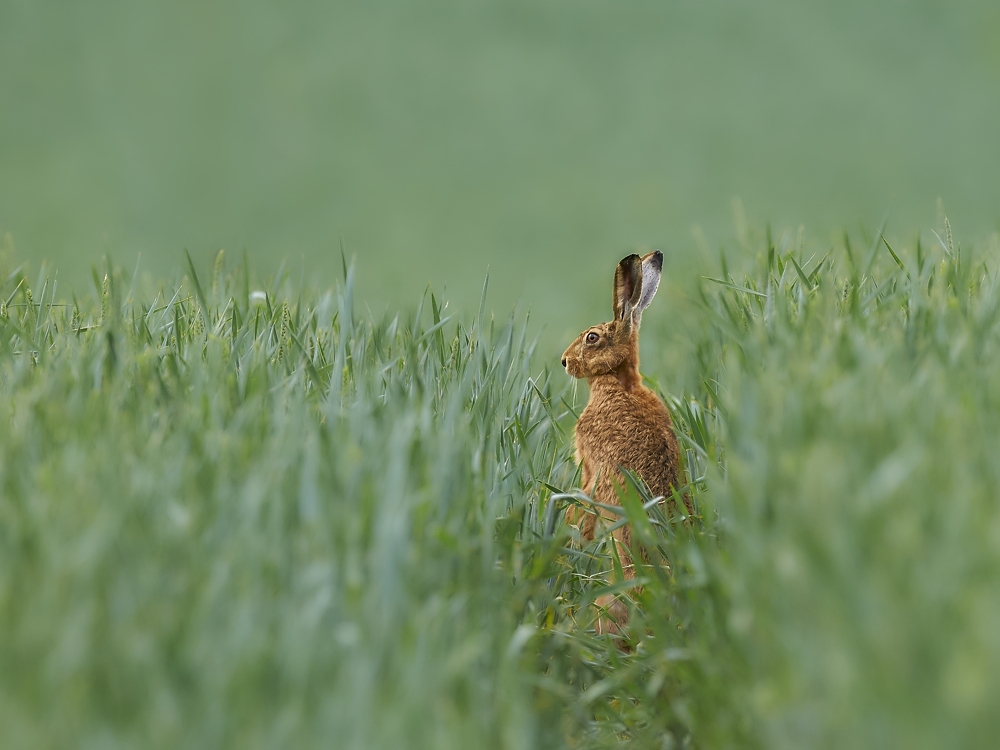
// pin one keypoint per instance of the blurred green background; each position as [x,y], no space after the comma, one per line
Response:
[540,140]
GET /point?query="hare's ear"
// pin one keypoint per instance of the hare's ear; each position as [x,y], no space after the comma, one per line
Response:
[652,265]
[628,287]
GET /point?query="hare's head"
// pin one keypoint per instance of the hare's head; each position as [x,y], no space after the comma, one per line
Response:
[613,347]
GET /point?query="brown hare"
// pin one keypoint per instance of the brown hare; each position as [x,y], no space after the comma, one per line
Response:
[625,425]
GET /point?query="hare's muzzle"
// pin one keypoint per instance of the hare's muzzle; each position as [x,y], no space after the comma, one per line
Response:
[563,361]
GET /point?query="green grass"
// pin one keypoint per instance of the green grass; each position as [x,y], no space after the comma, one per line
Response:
[268,520]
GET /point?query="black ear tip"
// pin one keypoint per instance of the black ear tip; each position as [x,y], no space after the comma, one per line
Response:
[657,259]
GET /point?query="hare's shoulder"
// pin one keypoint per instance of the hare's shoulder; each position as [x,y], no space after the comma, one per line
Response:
[615,416]
[615,403]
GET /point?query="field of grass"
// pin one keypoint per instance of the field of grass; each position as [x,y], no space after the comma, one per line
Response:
[241,512]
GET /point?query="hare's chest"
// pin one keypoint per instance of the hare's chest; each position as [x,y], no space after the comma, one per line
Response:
[609,431]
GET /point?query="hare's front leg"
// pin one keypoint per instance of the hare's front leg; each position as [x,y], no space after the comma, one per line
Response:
[613,615]
[582,518]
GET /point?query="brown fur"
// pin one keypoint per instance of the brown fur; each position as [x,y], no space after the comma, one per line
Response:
[625,425]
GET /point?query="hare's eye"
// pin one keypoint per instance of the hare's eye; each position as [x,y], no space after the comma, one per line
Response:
[592,338]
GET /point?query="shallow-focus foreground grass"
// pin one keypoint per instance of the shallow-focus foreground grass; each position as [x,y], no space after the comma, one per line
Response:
[861,400]
[246,515]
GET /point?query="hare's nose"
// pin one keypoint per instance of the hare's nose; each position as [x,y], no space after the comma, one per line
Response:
[563,361]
